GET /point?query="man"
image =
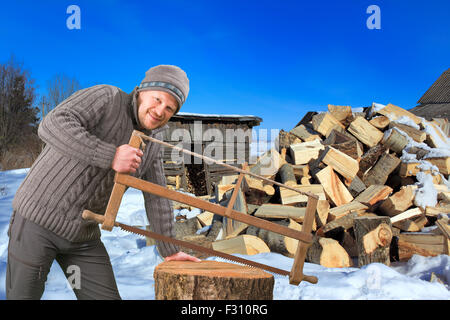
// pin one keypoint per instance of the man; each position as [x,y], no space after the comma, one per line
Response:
[86,140]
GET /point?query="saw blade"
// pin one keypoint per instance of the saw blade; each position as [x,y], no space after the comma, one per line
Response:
[202,249]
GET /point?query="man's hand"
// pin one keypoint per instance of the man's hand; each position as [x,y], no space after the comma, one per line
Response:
[127,159]
[181,256]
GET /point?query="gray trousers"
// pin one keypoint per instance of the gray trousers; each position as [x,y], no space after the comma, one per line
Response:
[31,252]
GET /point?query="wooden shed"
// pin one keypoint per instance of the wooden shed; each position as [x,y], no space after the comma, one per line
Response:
[226,138]
[435,102]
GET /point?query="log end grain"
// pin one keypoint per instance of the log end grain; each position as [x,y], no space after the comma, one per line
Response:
[211,280]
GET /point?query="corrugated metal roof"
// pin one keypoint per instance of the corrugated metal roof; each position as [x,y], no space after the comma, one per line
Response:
[439,92]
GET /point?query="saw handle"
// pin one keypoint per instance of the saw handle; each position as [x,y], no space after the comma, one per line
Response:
[89,215]
[310,279]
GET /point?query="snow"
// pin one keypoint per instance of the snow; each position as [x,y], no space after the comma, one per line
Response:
[407,121]
[204,115]
[426,193]
[360,109]
[134,263]
[438,135]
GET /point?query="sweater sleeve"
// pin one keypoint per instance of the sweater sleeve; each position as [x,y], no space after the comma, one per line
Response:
[159,210]
[69,127]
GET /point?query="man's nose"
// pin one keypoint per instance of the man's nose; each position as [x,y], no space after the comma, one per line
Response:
[159,110]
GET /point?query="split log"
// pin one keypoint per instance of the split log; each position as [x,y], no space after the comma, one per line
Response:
[444,196]
[369,158]
[408,214]
[423,244]
[277,242]
[345,143]
[413,168]
[186,227]
[380,172]
[285,139]
[333,186]
[433,139]
[306,133]
[205,218]
[380,122]
[395,140]
[292,197]
[243,244]
[322,211]
[399,202]
[444,228]
[393,112]
[324,122]
[268,164]
[411,224]
[415,134]
[436,211]
[342,163]
[287,175]
[278,211]
[302,153]
[356,186]
[307,118]
[443,164]
[365,132]
[373,236]
[328,253]
[373,194]
[301,173]
[420,152]
[434,243]
[340,113]
[342,210]
[406,250]
[211,280]
[256,192]
[221,189]
[338,137]
[408,169]
[341,224]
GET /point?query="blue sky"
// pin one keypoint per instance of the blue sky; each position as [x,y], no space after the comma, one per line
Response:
[276,60]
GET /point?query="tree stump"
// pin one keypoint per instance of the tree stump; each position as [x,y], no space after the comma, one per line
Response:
[211,280]
[373,237]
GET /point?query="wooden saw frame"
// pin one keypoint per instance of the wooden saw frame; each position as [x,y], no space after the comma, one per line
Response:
[122,181]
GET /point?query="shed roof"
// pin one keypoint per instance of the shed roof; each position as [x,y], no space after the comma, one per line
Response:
[188,116]
[439,92]
[432,110]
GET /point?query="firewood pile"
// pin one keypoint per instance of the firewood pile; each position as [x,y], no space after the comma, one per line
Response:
[381,174]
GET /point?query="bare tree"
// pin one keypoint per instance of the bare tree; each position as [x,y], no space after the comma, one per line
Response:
[17,112]
[59,88]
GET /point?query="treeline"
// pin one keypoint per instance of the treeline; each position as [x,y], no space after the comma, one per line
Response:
[22,109]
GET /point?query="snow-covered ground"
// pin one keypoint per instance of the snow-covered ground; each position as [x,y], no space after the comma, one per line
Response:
[134,263]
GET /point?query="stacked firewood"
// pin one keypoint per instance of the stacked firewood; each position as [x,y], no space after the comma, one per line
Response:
[381,174]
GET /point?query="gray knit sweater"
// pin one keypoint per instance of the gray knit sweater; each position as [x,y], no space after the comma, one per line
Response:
[74,173]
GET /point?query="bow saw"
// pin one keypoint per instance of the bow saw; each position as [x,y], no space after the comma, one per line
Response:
[122,181]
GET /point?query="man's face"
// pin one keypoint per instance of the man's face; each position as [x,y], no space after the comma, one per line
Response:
[155,108]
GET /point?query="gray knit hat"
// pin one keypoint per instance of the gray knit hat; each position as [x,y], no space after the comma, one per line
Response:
[167,78]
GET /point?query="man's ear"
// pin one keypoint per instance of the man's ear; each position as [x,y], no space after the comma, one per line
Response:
[138,101]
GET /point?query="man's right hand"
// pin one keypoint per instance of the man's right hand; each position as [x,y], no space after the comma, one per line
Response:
[127,159]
